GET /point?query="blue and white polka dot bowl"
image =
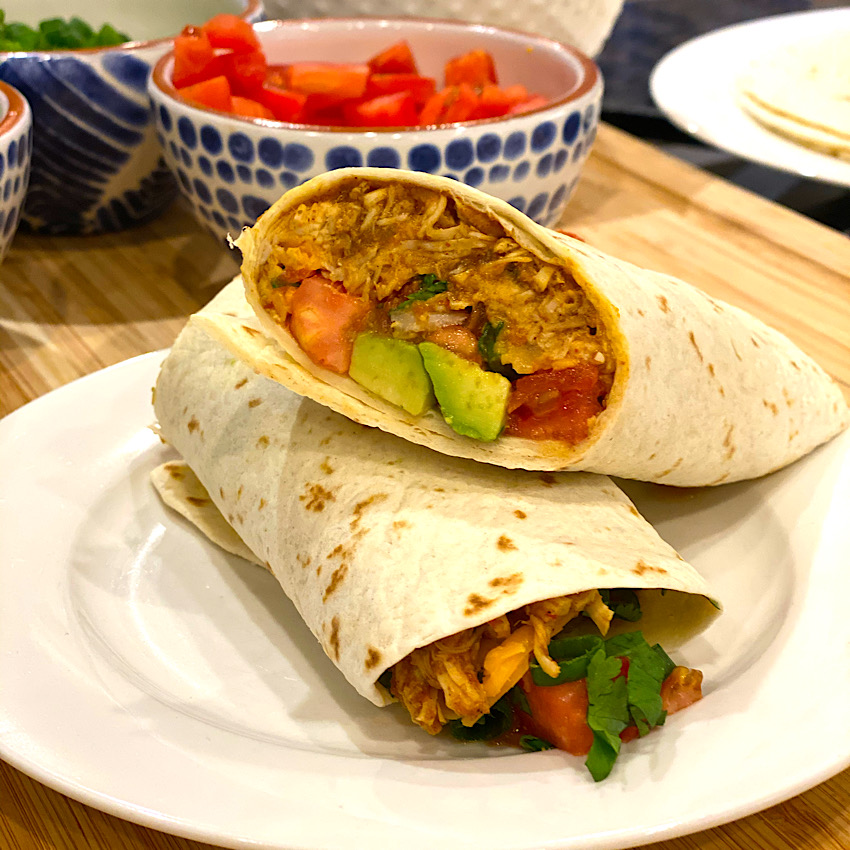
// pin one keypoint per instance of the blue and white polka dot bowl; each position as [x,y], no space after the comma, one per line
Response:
[96,163]
[15,150]
[232,169]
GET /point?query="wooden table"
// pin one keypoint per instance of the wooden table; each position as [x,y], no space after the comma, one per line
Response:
[69,306]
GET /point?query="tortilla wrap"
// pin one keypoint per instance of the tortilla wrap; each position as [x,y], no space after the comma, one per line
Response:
[802,92]
[382,545]
[700,392]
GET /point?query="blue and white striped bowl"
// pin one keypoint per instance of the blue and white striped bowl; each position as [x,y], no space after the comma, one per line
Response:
[15,150]
[96,162]
[232,169]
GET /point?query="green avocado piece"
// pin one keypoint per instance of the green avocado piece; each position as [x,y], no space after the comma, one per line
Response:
[473,402]
[392,369]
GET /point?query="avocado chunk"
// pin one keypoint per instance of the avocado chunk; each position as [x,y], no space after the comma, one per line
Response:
[473,402]
[392,369]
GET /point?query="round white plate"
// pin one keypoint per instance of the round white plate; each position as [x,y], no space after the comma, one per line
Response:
[694,86]
[146,673]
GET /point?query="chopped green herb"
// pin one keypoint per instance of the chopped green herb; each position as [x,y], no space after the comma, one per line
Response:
[490,726]
[487,344]
[623,602]
[534,744]
[607,712]
[429,287]
[519,699]
[56,33]
[573,655]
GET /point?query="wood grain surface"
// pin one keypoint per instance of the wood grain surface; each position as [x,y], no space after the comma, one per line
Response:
[70,306]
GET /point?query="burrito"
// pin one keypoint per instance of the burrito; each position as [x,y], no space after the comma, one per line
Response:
[437,313]
[433,581]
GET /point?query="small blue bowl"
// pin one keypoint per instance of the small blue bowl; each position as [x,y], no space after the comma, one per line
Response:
[15,151]
[96,163]
[232,169]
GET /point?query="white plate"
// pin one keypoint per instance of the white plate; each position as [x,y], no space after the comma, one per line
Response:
[148,674]
[694,86]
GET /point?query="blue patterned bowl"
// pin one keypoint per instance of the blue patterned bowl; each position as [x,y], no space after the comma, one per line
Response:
[15,150]
[232,169]
[96,162]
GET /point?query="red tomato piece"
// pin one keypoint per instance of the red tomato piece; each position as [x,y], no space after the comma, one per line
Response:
[475,68]
[462,106]
[389,110]
[214,93]
[396,59]
[246,72]
[434,109]
[324,321]
[192,58]
[559,714]
[285,105]
[421,88]
[492,102]
[683,687]
[536,101]
[554,404]
[248,108]
[231,32]
[340,80]
[516,93]
[278,75]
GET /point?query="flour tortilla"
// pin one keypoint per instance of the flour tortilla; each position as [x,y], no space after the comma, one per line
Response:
[704,393]
[382,545]
[802,92]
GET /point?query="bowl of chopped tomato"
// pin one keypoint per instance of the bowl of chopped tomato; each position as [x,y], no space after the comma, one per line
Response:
[96,163]
[242,118]
[15,150]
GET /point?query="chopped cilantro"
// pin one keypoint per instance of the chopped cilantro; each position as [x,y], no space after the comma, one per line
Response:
[534,744]
[56,33]
[490,726]
[573,655]
[428,288]
[607,712]
[487,344]
[623,602]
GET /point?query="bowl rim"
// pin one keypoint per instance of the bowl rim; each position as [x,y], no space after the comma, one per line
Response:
[591,75]
[252,7]
[16,113]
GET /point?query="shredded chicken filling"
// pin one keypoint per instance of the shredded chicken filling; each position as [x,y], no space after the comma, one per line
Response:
[462,676]
[378,240]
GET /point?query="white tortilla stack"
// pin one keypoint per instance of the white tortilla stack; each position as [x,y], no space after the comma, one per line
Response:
[385,546]
[702,392]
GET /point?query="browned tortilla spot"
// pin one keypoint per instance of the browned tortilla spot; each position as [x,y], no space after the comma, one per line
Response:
[711,369]
[770,406]
[439,490]
[400,523]
[792,435]
[262,504]
[336,580]
[720,480]
[326,467]
[315,497]
[476,603]
[652,456]
[239,492]
[634,510]
[357,513]
[505,544]
[796,365]
[520,514]
[508,583]
[240,384]
[755,342]
[325,441]
[338,551]
[263,441]
[648,362]
[676,465]
[254,402]
[548,479]
[193,425]
[640,312]
[175,472]
[662,302]
[334,638]
[319,570]
[303,559]
[197,500]
[788,399]
[642,567]
[373,658]
[230,518]
[250,331]
[722,391]
[727,442]
[694,344]
[240,518]
[221,492]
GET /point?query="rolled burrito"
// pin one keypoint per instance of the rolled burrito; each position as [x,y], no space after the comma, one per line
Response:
[433,580]
[430,310]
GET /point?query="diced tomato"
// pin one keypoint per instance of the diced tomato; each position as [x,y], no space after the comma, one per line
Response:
[214,93]
[389,110]
[396,59]
[475,68]
[492,102]
[337,79]
[324,321]
[516,93]
[463,105]
[534,102]
[285,105]
[459,340]
[421,88]
[192,57]
[555,405]
[435,107]
[248,108]
[245,71]
[278,75]
[231,32]
[683,687]
[559,714]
